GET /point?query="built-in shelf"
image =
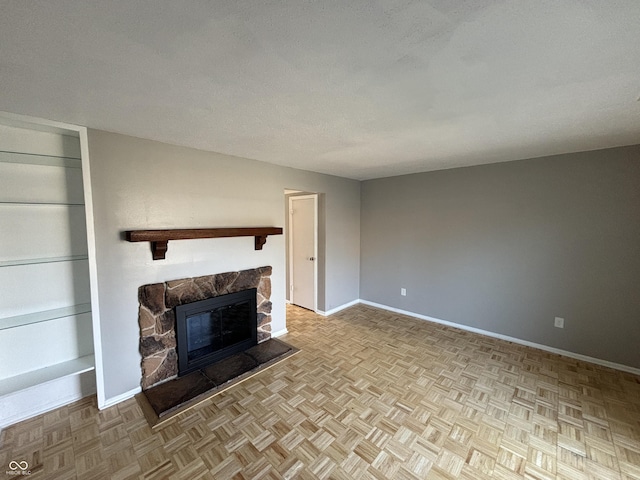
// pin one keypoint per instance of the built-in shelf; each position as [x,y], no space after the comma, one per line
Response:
[35,261]
[47,374]
[37,317]
[160,238]
[48,355]
[34,159]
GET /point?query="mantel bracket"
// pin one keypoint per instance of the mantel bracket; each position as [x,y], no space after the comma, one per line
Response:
[159,249]
[260,240]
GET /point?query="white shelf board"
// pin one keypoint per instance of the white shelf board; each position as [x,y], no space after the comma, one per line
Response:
[37,317]
[47,374]
[53,204]
[36,261]
[45,160]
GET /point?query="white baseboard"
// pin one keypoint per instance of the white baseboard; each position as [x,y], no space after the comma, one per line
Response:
[110,402]
[576,356]
[279,333]
[337,309]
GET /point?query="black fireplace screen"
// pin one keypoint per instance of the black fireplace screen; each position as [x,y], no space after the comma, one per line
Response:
[212,329]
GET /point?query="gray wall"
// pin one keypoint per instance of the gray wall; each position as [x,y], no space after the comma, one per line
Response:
[145,184]
[507,247]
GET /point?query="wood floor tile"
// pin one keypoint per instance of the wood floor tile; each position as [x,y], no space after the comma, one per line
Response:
[371,395]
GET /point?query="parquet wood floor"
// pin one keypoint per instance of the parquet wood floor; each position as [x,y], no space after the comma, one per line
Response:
[371,395]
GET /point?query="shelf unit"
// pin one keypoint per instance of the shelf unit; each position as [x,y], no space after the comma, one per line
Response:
[37,159]
[36,261]
[53,204]
[46,318]
[46,374]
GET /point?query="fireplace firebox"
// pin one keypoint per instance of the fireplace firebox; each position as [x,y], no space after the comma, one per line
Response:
[215,328]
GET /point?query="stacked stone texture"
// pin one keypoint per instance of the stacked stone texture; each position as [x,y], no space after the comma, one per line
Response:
[157,320]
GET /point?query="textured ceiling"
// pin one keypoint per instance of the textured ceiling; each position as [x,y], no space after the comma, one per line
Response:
[355,88]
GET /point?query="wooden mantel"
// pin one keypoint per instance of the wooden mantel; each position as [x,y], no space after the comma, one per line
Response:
[160,238]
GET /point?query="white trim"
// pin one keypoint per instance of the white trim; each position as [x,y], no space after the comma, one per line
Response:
[315,251]
[339,308]
[110,402]
[41,124]
[290,242]
[279,333]
[558,351]
[93,267]
[292,198]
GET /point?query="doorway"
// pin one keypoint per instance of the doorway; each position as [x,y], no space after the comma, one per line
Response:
[303,250]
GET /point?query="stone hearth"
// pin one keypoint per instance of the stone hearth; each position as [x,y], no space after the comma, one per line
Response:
[174,396]
[156,315]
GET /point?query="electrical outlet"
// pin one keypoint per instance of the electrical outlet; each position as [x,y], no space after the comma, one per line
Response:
[403,292]
[558,322]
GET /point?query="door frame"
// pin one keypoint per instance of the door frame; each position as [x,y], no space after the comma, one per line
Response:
[293,198]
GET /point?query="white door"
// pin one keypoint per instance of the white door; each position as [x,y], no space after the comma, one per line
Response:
[303,220]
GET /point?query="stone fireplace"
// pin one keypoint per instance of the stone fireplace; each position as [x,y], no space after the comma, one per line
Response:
[157,321]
